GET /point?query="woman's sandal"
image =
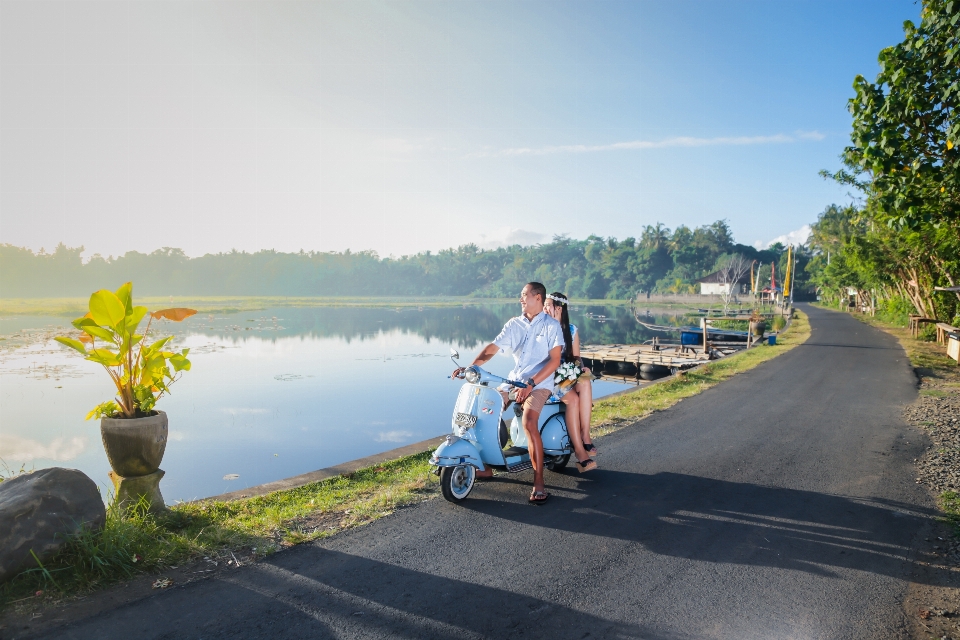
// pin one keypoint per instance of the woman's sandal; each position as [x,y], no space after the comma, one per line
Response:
[539,497]
[592,450]
[586,465]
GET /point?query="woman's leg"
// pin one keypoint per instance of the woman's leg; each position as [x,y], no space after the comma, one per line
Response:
[584,389]
[572,415]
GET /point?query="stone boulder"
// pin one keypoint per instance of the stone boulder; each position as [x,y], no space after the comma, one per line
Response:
[39,510]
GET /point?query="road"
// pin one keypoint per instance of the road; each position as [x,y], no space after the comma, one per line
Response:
[780,504]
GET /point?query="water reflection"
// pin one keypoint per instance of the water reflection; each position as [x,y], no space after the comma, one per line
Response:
[471,326]
[272,393]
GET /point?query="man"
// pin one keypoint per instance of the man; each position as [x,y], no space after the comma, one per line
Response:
[535,340]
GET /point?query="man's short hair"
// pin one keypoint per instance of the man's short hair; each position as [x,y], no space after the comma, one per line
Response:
[538,289]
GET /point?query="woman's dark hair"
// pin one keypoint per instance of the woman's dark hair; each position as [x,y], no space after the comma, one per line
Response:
[565,325]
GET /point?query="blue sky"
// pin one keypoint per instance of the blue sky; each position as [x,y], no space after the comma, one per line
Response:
[401,127]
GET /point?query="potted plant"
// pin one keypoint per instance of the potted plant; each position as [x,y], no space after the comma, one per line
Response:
[758,324]
[134,432]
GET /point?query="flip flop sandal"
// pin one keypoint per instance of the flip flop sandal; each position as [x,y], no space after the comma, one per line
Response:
[539,497]
[586,465]
[592,450]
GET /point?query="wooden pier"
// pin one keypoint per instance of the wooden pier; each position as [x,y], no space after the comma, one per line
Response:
[673,357]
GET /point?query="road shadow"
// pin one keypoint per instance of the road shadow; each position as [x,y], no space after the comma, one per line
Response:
[314,592]
[728,522]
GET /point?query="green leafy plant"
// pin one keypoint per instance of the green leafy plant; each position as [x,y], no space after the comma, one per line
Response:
[141,371]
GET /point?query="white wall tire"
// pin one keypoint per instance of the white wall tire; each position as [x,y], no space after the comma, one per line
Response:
[457,482]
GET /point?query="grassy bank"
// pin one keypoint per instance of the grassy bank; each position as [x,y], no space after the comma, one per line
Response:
[136,542]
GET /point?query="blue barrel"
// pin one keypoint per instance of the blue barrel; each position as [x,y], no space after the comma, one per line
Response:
[772,339]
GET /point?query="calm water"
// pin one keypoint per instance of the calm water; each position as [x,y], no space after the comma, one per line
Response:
[272,393]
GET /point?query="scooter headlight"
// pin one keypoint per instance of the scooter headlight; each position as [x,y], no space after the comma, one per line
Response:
[472,376]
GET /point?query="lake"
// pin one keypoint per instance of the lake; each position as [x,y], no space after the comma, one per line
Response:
[272,394]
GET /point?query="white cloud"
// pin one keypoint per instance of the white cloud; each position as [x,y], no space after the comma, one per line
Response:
[798,236]
[508,236]
[680,141]
[394,436]
[16,449]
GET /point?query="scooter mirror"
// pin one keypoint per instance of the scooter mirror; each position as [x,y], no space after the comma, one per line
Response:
[454,354]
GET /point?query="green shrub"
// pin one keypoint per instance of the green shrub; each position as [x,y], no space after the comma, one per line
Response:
[895,311]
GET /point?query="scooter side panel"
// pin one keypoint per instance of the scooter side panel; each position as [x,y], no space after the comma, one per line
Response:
[517,434]
[485,403]
[556,441]
[456,451]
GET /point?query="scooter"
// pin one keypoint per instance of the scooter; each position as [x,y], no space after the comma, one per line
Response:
[480,434]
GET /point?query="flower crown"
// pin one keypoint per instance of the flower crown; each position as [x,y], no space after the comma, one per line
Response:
[559,299]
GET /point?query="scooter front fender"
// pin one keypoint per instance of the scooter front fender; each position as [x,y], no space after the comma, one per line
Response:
[456,451]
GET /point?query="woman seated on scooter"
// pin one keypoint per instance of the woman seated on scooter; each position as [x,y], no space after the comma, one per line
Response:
[579,396]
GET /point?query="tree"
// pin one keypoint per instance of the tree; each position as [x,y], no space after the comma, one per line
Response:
[731,271]
[905,151]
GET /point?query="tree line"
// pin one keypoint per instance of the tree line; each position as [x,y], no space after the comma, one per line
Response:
[899,245]
[660,260]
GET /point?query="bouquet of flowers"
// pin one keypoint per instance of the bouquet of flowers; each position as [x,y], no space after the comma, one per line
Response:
[567,375]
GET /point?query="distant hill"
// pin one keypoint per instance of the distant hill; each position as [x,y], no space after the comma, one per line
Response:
[661,260]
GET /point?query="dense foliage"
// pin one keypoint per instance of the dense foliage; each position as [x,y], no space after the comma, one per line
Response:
[660,260]
[904,241]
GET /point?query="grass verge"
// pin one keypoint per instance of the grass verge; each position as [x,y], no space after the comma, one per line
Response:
[136,542]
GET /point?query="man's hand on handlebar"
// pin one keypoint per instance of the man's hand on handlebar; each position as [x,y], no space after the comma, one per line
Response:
[458,372]
[524,392]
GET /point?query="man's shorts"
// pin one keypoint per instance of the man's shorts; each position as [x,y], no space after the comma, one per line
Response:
[534,402]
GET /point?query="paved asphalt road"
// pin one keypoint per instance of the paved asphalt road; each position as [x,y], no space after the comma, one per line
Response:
[781,504]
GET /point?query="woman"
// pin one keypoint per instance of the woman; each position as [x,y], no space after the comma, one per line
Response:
[579,398]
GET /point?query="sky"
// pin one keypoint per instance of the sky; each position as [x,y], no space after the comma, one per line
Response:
[408,126]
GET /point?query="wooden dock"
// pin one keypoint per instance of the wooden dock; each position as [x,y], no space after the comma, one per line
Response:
[674,357]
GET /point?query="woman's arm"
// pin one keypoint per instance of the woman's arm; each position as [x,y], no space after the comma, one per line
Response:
[576,351]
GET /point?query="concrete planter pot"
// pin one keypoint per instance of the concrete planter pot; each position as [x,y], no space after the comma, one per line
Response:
[757,328]
[134,446]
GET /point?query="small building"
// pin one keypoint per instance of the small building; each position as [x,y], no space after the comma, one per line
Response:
[712,285]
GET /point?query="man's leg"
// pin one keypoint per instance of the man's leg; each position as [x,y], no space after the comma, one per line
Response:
[534,446]
[532,407]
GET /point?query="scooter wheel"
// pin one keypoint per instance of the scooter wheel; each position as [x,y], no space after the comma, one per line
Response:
[456,482]
[559,463]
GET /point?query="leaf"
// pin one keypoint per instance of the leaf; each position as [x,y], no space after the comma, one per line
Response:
[73,344]
[84,338]
[179,363]
[106,309]
[134,317]
[106,357]
[176,314]
[125,295]
[97,332]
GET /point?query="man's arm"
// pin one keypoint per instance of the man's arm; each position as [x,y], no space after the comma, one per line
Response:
[546,372]
[488,352]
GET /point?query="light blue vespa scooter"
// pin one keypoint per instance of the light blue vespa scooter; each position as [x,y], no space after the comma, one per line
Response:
[480,434]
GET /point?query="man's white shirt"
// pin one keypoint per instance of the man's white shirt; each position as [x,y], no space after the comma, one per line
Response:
[530,342]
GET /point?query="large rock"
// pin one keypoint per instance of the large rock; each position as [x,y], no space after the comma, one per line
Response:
[39,510]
